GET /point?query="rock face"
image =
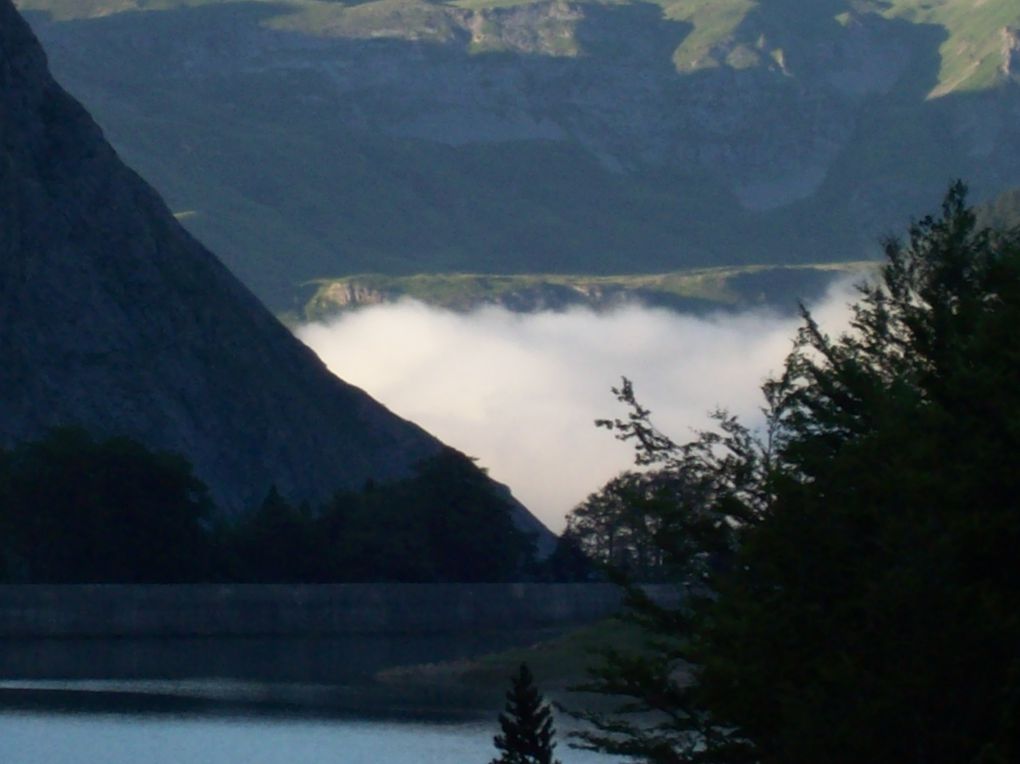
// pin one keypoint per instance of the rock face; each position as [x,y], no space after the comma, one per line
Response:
[1010,66]
[310,139]
[114,318]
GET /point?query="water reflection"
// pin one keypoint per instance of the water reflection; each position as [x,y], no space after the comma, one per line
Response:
[30,738]
[332,676]
[256,700]
[339,659]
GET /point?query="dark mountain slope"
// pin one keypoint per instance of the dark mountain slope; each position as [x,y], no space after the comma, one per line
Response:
[114,318]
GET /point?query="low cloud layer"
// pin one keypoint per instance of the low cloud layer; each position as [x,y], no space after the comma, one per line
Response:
[521,392]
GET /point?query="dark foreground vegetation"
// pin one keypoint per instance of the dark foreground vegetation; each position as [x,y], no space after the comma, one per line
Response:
[527,735]
[851,572]
[74,509]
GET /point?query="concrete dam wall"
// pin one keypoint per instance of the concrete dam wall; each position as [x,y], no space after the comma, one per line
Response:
[113,610]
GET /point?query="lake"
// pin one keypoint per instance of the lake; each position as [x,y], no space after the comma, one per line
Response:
[257,701]
[32,737]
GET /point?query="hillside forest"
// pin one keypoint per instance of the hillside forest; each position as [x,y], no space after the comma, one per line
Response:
[76,509]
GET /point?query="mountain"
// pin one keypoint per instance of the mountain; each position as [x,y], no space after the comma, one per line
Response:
[304,139]
[114,318]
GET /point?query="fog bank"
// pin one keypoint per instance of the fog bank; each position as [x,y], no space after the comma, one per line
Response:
[521,392]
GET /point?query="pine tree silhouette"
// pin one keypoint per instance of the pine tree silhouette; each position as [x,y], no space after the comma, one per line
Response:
[527,724]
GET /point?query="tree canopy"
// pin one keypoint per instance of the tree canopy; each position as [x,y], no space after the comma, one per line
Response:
[76,509]
[852,590]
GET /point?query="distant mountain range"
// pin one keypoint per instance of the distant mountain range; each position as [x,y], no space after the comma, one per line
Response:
[115,319]
[305,139]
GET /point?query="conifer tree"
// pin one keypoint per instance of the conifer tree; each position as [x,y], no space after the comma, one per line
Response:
[527,724]
[848,578]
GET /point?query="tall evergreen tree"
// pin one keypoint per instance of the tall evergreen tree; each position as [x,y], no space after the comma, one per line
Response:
[527,724]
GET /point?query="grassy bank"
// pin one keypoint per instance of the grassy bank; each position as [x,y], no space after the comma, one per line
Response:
[559,664]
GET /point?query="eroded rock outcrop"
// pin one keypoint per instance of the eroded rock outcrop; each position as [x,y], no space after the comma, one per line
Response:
[1010,66]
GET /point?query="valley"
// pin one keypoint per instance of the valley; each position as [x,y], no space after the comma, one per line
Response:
[500,225]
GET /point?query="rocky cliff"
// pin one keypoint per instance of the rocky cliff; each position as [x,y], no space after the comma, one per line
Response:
[114,318]
[305,139]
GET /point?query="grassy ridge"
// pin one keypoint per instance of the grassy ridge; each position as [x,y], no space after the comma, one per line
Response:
[719,28]
[720,32]
[695,289]
[970,53]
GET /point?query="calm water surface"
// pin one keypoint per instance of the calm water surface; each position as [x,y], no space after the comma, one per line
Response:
[243,701]
[36,738]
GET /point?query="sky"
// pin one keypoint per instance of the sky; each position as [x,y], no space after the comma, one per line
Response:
[520,392]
